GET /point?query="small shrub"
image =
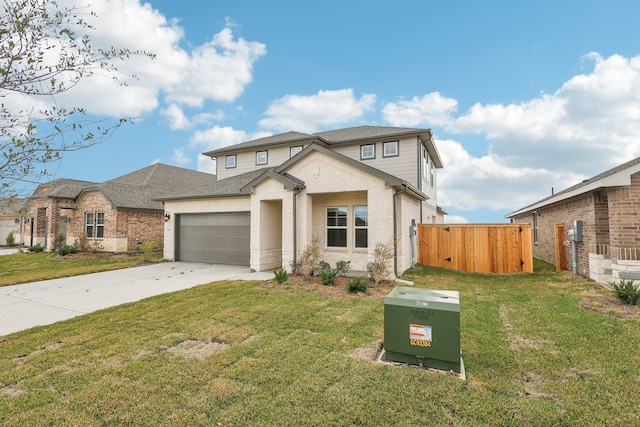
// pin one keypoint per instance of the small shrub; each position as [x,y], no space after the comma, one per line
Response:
[36,248]
[58,241]
[380,268]
[95,246]
[66,250]
[309,257]
[281,275]
[328,276]
[343,267]
[296,267]
[11,239]
[626,292]
[82,243]
[359,284]
[147,247]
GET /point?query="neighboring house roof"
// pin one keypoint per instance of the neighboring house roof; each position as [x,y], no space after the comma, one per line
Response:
[137,190]
[140,189]
[11,206]
[240,185]
[339,136]
[61,188]
[618,176]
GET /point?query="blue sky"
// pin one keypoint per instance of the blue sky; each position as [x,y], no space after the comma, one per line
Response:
[521,96]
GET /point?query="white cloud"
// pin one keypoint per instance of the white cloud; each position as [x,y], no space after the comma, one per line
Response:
[217,70]
[430,110]
[180,158]
[587,126]
[455,219]
[306,113]
[179,121]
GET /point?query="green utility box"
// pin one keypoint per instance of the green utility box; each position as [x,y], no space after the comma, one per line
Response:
[422,327]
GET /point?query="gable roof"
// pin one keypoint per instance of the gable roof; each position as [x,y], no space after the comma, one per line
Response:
[140,189]
[61,188]
[333,137]
[11,205]
[228,187]
[618,176]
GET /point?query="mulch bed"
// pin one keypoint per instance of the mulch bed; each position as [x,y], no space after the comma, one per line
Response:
[339,288]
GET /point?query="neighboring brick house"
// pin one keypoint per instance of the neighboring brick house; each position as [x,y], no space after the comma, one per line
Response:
[115,215]
[608,206]
[350,188]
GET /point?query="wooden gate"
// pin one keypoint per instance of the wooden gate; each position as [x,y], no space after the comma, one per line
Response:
[479,248]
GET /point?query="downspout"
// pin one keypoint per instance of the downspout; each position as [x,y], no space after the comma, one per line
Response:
[395,232]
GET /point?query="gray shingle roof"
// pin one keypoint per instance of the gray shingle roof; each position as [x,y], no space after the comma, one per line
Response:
[338,136]
[11,205]
[585,186]
[141,189]
[136,190]
[61,188]
[231,186]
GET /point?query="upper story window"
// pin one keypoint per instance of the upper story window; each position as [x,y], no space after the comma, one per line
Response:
[231,161]
[295,150]
[432,168]
[390,149]
[261,157]
[337,227]
[367,151]
[425,164]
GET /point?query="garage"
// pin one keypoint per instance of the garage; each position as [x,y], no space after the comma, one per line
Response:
[217,238]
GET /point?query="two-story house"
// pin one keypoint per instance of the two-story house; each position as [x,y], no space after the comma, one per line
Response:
[350,188]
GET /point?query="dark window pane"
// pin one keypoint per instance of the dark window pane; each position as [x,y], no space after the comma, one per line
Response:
[337,238]
[361,238]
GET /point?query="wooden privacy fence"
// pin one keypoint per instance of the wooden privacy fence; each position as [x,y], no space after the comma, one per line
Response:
[479,248]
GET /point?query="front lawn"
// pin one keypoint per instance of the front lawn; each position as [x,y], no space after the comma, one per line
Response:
[30,267]
[244,353]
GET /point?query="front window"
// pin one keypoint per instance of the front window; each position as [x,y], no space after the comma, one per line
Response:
[390,149]
[231,161]
[100,225]
[88,224]
[361,216]
[261,157]
[337,227]
[368,151]
[295,150]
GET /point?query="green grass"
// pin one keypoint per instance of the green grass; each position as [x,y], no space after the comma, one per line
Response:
[532,358]
[30,267]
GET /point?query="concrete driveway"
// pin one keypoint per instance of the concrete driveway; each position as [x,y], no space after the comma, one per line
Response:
[49,301]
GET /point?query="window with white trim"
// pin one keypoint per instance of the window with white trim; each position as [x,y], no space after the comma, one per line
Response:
[390,149]
[99,225]
[367,151]
[361,226]
[94,224]
[337,227]
[88,224]
[231,161]
[261,157]
[294,150]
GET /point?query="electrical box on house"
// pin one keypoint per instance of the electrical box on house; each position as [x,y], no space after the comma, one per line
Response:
[422,327]
[577,231]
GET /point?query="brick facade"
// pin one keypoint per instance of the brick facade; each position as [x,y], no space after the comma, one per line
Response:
[610,249]
[123,229]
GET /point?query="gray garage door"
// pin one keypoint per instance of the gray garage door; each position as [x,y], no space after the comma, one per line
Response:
[220,238]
